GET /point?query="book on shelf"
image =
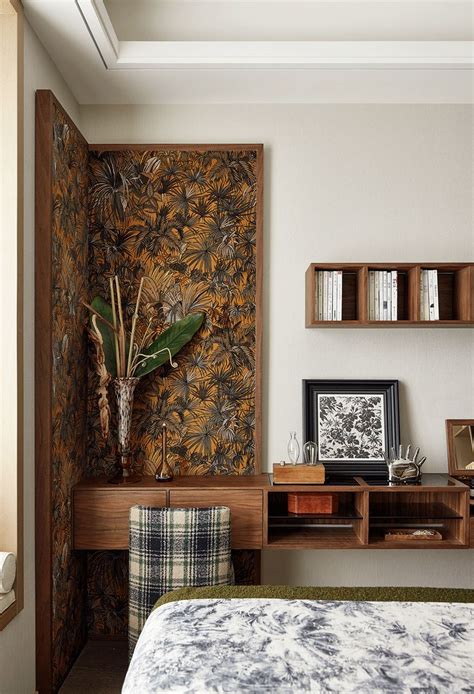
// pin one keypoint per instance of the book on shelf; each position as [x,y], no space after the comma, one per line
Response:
[429,295]
[329,295]
[383,295]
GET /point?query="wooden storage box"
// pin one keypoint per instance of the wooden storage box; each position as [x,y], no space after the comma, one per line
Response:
[309,502]
[298,474]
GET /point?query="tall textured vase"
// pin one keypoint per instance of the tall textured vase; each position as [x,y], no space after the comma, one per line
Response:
[124,389]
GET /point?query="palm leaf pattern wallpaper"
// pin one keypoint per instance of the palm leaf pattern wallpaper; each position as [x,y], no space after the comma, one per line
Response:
[187,221]
[69,374]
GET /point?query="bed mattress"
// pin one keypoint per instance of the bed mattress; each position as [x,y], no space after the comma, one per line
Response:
[262,645]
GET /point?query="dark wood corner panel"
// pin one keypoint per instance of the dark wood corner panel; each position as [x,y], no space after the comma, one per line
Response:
[260,517]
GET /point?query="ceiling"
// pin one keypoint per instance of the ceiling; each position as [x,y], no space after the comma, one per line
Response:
[287,51]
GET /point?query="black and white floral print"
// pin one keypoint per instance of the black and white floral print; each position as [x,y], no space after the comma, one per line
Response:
[292,646]
[351,427]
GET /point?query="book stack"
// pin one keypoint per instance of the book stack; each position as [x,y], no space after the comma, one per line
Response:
[429,304]
[329,294]
[383,294]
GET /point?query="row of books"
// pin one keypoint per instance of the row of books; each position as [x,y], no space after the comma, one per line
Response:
[329,294]
[383,294]
[429,303]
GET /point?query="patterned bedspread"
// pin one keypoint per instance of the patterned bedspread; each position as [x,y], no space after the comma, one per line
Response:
[291,646]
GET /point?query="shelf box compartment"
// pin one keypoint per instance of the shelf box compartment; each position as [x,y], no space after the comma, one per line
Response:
[443,511]
[455,291]
[405,286]
[352,293]
[343,527]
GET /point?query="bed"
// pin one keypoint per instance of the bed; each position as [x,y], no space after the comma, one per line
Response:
[287,640]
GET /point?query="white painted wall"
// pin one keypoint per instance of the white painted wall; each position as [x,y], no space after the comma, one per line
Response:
[346,183]
[17,641]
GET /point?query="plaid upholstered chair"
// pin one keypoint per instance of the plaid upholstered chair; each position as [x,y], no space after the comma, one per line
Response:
[174,548]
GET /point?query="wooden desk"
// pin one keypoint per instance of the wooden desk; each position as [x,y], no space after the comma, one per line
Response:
[260,519]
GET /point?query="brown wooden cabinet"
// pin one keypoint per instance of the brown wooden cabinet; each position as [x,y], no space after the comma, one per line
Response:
[260,517]
[456,295]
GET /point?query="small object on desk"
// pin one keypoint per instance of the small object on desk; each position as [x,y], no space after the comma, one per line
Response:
[404,534]
[293,448]
[310,453]
[164,472]
[403,469]
[311,503]
[298,474]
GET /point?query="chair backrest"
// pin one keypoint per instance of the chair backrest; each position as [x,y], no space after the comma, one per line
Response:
[174,548]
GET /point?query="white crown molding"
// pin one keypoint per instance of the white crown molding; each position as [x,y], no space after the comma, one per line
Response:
[199,55]
[142,55]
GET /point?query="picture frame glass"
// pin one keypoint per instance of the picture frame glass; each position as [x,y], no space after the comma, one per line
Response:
[351,427]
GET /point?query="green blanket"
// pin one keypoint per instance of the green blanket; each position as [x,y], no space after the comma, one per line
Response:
[322,593]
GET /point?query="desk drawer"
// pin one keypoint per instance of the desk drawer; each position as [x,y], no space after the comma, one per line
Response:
[246,509]
[101,516]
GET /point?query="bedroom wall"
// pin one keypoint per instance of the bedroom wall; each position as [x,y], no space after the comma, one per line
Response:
[17,675]
[348,183]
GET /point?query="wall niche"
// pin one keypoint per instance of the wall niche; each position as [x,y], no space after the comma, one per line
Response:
[190,218]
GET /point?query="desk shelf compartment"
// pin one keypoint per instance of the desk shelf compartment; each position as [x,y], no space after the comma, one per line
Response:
[344,528]
[441,511]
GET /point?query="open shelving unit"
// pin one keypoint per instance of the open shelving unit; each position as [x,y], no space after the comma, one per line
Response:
[455,291]
[366,510]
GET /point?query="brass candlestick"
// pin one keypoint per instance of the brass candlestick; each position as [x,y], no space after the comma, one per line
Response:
[164,472]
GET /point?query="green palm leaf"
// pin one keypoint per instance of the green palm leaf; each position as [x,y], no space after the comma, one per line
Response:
[173,338]
[105,310]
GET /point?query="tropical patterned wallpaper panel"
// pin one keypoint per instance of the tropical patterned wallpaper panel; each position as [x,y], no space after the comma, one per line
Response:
[69,383]
[186,220]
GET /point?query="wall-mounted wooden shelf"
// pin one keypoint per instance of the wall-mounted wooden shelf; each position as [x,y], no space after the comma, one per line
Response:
[456,295]
[260,517]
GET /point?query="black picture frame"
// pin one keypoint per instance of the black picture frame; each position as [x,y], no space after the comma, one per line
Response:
[390,433]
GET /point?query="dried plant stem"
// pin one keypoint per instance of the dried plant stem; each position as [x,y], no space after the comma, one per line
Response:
[96,313]
[151,356]
[141,346]
[114,315]
[134,323]
[122,341]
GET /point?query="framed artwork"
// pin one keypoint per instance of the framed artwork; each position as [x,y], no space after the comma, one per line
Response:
[354,423]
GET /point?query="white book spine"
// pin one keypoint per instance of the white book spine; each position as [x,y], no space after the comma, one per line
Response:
[377,295]
[325,294]
[394,295]
[431,295]
[339,295]
[422,308]
[385,296]
[371,295]
[330,288]
[320,295]
[426,300]
[335,297]
[435,295]
[389,295]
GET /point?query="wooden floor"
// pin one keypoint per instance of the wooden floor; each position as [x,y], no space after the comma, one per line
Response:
[100,669]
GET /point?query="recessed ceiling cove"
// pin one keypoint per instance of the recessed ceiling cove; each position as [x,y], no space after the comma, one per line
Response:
[188,51]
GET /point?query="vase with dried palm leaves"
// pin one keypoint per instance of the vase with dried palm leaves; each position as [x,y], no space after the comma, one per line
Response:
[123,356]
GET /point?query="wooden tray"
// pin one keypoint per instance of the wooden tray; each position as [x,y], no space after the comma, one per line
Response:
[298,474]
[408,534]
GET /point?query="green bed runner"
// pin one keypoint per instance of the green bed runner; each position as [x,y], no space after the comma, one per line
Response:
[321,593]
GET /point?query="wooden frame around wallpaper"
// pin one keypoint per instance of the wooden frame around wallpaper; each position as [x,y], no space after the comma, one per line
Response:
[45,105]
